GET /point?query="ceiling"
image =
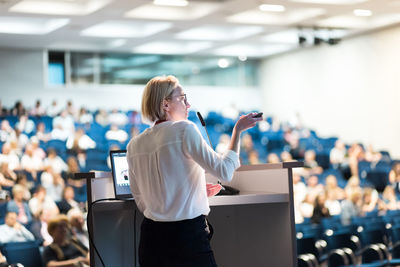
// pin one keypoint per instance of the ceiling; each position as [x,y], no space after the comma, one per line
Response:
[201,27]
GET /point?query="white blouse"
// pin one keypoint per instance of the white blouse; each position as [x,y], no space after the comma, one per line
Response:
[167,165]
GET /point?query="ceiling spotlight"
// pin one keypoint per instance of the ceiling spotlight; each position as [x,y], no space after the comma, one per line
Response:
[302,40]
[272,8]
[333,41]
[223,63]
[362,12]
[242,57]
[317,40]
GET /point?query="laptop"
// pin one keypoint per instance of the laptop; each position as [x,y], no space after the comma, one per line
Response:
[119,168]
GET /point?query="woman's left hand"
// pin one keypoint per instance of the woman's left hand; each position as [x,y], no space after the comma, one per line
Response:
[213,189]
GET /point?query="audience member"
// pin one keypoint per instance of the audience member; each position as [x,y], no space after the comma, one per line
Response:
[7,176]
[31,163]
[78,226]
[39,227]
[19,142]
[71,110]
[118,118]
[9,156]
[65,123]
[253,157]
[370,200]
[37,150]
[314,188]
[40,201]
[286,156]
[19,206]
[84,116]
[394,176]
[353,184]
[7,133]
[25,184]
[13,231]
[307,206]
[68,201]
[356,154]
[351,207]
[332,203]
[273,158]
[332,186]
[320,210]
[69,175]
[371,155]
[37,110]
[18,109]
[64,251]
[116,134]
[310,164]
[80,141]
[53,182]
[41,133]
[25,125]
[56,162]
[223,143]
[389,199]
[102,117]
[53,110]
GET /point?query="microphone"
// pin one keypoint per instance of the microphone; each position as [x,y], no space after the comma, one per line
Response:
[225,190]
[203,123]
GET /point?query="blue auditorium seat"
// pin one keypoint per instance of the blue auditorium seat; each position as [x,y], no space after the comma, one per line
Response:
[363,168]
[48,122]
[3,211]
[379,179]
[26,253]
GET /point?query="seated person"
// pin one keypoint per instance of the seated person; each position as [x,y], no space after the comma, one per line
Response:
[13,231]
[19,205]
[116,134]
[64,251]
[68,201]
[41,201]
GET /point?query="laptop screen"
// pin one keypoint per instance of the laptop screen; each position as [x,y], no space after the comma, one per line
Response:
[119,167]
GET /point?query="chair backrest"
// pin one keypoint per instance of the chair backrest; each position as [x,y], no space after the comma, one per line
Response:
[372,253]
[337,258]
[26,253]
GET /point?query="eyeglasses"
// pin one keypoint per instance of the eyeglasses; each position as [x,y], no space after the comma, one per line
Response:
[184,98]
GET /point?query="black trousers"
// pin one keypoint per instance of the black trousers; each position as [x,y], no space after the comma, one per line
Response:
[175,244]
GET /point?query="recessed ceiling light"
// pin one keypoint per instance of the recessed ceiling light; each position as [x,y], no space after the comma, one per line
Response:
[77,8]
[219,33]
[195,10]
[362,12]
[125,29]
[25,25]
[118,42]
[171,2]
[171,47]
[272,8]
[223,63]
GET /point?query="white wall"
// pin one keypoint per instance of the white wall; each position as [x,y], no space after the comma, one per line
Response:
[351,90]
[22,78]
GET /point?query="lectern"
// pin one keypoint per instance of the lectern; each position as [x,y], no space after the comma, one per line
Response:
[255,228]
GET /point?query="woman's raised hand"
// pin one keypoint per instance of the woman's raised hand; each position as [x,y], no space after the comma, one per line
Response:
[247,121]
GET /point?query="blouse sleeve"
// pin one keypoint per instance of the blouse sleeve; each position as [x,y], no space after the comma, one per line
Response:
[134,188]
[221,166]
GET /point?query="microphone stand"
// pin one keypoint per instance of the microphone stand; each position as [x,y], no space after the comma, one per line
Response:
[227,190]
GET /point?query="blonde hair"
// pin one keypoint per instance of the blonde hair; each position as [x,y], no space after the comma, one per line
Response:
[55,222]
[156,90]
